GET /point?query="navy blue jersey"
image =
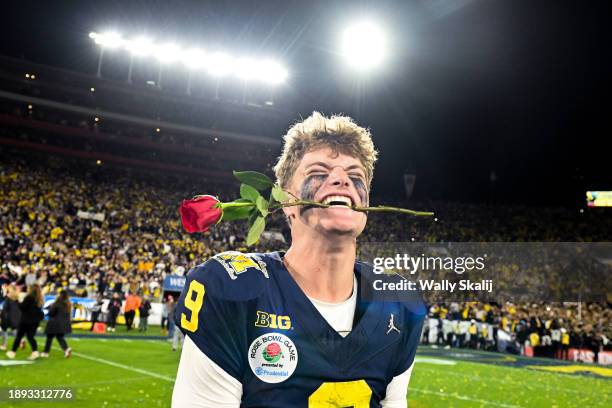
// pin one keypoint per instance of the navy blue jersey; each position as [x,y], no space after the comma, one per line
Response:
[248,315]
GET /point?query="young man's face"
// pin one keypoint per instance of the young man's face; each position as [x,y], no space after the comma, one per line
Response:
[320,176]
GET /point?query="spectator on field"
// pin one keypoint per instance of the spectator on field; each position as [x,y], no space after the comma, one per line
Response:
[114,307]
[132,303]
[565,344]
[473,331]
[31,315]
[144,311]
[170,305]
[96,310]
[164,316]
[59,324]
[10,314]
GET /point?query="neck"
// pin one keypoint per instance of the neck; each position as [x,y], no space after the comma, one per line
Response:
[323,267]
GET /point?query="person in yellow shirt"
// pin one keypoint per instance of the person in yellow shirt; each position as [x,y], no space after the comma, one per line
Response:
[484,334]
[473,331]
[534,339]
[565,343]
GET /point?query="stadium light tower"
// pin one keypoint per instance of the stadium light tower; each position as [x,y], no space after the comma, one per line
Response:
[194,59]
[166,54]
[140,47]
[109,40]
[363,46]
[218,65]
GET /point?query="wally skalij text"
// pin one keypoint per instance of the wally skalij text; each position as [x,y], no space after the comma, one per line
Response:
[427,285]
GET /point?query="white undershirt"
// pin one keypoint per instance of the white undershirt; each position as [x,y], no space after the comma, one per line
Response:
[339,315]
[201,383]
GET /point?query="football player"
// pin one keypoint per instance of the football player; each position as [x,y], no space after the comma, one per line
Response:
[301,328]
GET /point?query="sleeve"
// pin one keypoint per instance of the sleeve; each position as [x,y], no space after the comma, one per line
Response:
[397,389]
[215,325]
[201,383]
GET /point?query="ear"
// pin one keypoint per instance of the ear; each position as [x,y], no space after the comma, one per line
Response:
[291,212]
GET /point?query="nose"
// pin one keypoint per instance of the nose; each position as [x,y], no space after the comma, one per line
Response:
[339,177]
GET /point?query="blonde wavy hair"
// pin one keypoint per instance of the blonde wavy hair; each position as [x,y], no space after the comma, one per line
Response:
[340,133]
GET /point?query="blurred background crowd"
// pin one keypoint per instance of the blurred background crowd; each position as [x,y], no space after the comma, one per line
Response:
[50,237]
[93,170]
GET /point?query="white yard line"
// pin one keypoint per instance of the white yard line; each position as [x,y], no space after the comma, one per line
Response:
[463,398]
[125,367]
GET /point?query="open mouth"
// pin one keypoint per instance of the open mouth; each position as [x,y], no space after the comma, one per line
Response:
[337,201]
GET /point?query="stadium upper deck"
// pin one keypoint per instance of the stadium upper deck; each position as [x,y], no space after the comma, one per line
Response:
[47,109]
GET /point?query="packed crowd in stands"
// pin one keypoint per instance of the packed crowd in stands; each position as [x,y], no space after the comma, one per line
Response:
[547,329]
[137,244]
[49,236]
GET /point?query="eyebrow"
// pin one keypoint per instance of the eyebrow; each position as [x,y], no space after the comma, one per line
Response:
[323,164]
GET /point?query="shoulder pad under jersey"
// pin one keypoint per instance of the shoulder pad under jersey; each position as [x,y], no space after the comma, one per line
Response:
[233,275]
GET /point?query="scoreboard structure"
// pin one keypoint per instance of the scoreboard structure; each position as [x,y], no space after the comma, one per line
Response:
[599,198]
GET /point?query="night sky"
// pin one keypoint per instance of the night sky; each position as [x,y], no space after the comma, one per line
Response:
[470,87]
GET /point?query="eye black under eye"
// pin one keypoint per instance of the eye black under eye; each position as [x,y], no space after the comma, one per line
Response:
[319,178]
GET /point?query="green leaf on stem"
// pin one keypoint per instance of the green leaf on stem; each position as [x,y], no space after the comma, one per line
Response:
[279,194]
[254,179]
[249,193]
[236,213]
[255,230]
[253,215]
[262,205]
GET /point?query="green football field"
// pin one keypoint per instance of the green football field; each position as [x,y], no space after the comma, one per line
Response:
[133,372]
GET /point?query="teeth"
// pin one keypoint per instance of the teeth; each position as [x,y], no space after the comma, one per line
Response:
[338,198]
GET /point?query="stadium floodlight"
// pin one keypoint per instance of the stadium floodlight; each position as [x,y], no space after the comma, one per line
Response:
[219,64]
[266,70]
[194,58]
[140,47]
[272,72]
[168,53]
[109,39]
[363,45]
[246,68]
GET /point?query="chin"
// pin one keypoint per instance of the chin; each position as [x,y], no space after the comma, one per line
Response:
[336,222]
[332,227]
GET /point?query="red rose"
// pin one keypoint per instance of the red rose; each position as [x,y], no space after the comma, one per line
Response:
[200,213]
[273,349]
